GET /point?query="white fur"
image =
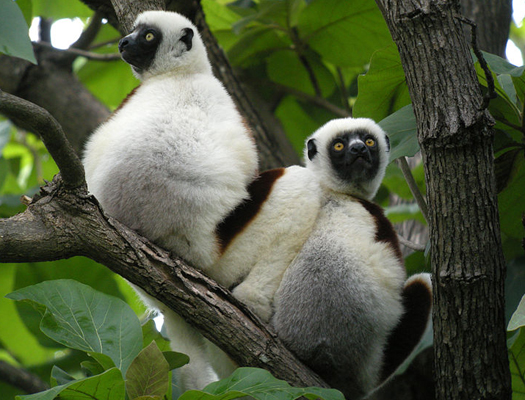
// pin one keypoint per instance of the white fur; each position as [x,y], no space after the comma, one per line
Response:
[173,162]
[341,296]
[263,251]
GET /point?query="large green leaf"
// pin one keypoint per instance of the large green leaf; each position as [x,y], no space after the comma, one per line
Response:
[382,90]
[57,9]
[345,33]
[110,81]
[99,278]
[285,68]
[106,386]
[81,318]
[14,32]
[256,44]
[148,374]
[401,128]
[259,384]
[300,120]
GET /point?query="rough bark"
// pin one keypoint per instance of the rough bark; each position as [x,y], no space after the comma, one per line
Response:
[493,19]
[455,137]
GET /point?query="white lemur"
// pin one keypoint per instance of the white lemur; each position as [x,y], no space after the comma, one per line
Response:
[175,158]
[262,237]
[342,296]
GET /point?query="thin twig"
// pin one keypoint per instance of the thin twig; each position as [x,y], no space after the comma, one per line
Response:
[21,378]
[407,173]
[103,44]
[299,50]
[90,33]
[410,244]
[41,122]
[316,100]
[491,89]
[344,92]
[83,53]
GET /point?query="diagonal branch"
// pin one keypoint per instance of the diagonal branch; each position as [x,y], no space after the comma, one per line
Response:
[21,378]
[39,121]
[61,216]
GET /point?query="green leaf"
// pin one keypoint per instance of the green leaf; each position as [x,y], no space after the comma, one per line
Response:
[401,128]
[99,278]
[403,212]
[383,89]
[518,318]
[150,333]
[106,386]
[81,318]
[92,368]
[103,360]
[14,32]
[26,6]
[517,361]
[299,120]
[501,66]
[259,384]
[60,377]
[345,33]
[99,76]
[148,374]
[57,9]
[255,45]
[175,359]
[285,68]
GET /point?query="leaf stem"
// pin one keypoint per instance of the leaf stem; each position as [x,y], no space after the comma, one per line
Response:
[407,173]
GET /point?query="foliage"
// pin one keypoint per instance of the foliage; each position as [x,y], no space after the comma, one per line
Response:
[124,358]
[291,51]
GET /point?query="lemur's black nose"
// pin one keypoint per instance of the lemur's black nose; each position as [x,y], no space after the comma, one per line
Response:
[123,43]
[358,148]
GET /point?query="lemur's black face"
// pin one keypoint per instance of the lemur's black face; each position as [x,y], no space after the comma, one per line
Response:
[139,48]
[355,156]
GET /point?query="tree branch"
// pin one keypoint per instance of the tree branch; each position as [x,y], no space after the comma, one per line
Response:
[409,178]
[61,216]
[41,122]
[21,378]
[82,53]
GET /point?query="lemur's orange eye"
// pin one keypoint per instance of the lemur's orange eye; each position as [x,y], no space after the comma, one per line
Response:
[370,142]
[150,36]
[339,146]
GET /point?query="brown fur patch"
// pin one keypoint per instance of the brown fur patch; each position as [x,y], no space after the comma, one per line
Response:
[239,218]
[385,232]
[417,304]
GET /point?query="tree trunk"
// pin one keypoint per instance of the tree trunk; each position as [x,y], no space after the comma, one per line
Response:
[455,135]
[493,20]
